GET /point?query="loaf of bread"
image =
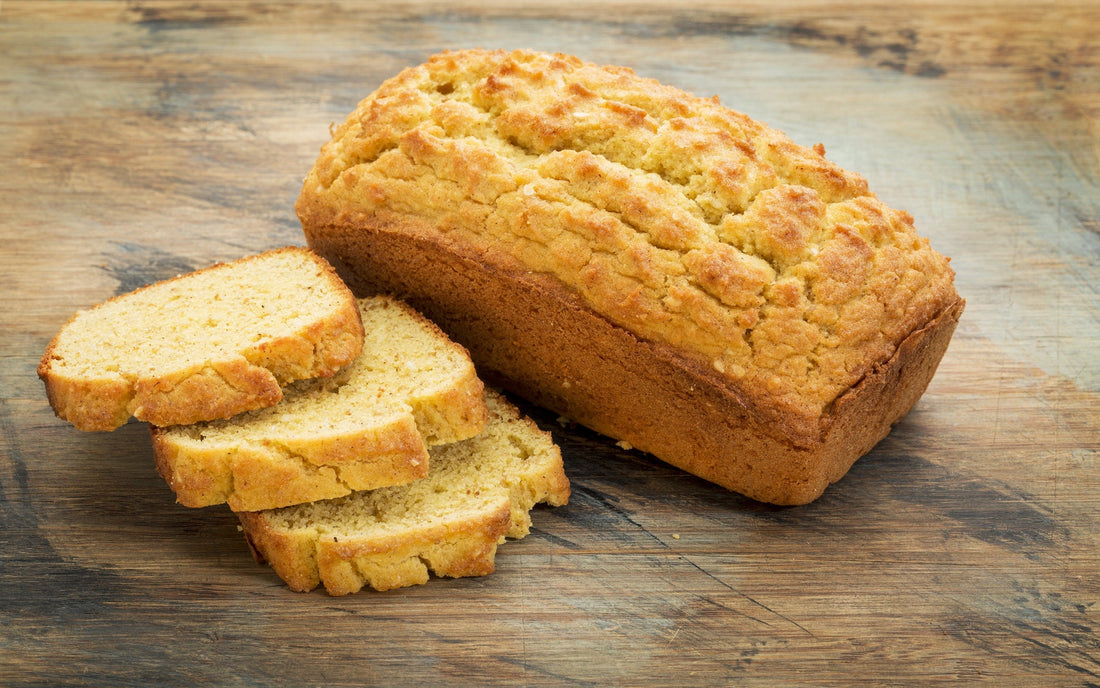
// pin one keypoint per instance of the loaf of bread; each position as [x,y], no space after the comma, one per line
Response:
[368,426]
[477,493]
[208,344]
[660,268]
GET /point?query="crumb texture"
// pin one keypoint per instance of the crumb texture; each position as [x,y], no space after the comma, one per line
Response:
[678,219]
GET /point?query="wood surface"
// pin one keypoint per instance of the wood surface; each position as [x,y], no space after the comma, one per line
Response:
[143,139]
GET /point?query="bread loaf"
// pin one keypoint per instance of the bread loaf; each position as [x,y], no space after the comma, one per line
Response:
[477,492]
[366,427]
[208,344]
[658,267]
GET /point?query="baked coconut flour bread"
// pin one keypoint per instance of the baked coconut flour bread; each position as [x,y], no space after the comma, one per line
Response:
[368,426]
[477,493]
[208,344]
[396,465]
[660,268]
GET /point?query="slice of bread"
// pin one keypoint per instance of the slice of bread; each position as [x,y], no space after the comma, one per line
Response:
[204,345]
[478,492]
[367,427]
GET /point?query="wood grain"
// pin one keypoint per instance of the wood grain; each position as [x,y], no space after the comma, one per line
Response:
[144,139]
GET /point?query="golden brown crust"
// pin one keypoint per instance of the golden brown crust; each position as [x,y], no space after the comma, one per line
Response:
[89,404]
[680,256]
[105,398]
[217,389]
[294,559]
[266,475]
[345,565]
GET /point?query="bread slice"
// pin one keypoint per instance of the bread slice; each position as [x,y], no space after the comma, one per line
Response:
[367,427]
[478,492]
[706,289]
[204,345]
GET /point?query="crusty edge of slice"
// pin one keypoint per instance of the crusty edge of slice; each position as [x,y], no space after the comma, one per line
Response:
[453,549]
[265,475]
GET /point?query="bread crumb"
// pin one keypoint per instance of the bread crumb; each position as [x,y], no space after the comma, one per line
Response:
[623,444]
[675,536]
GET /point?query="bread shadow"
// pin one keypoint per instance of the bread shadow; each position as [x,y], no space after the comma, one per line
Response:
[120,513]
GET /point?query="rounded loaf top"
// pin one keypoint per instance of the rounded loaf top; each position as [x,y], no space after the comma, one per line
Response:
[686,223]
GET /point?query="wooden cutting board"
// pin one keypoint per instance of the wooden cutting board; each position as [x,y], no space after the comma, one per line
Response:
[144,139]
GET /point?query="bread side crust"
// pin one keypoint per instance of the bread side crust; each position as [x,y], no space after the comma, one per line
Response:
[529,335]
[216,389]
[344,565]
[266,475]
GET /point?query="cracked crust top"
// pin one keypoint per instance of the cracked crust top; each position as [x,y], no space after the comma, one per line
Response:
[204,345]
[684,222]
